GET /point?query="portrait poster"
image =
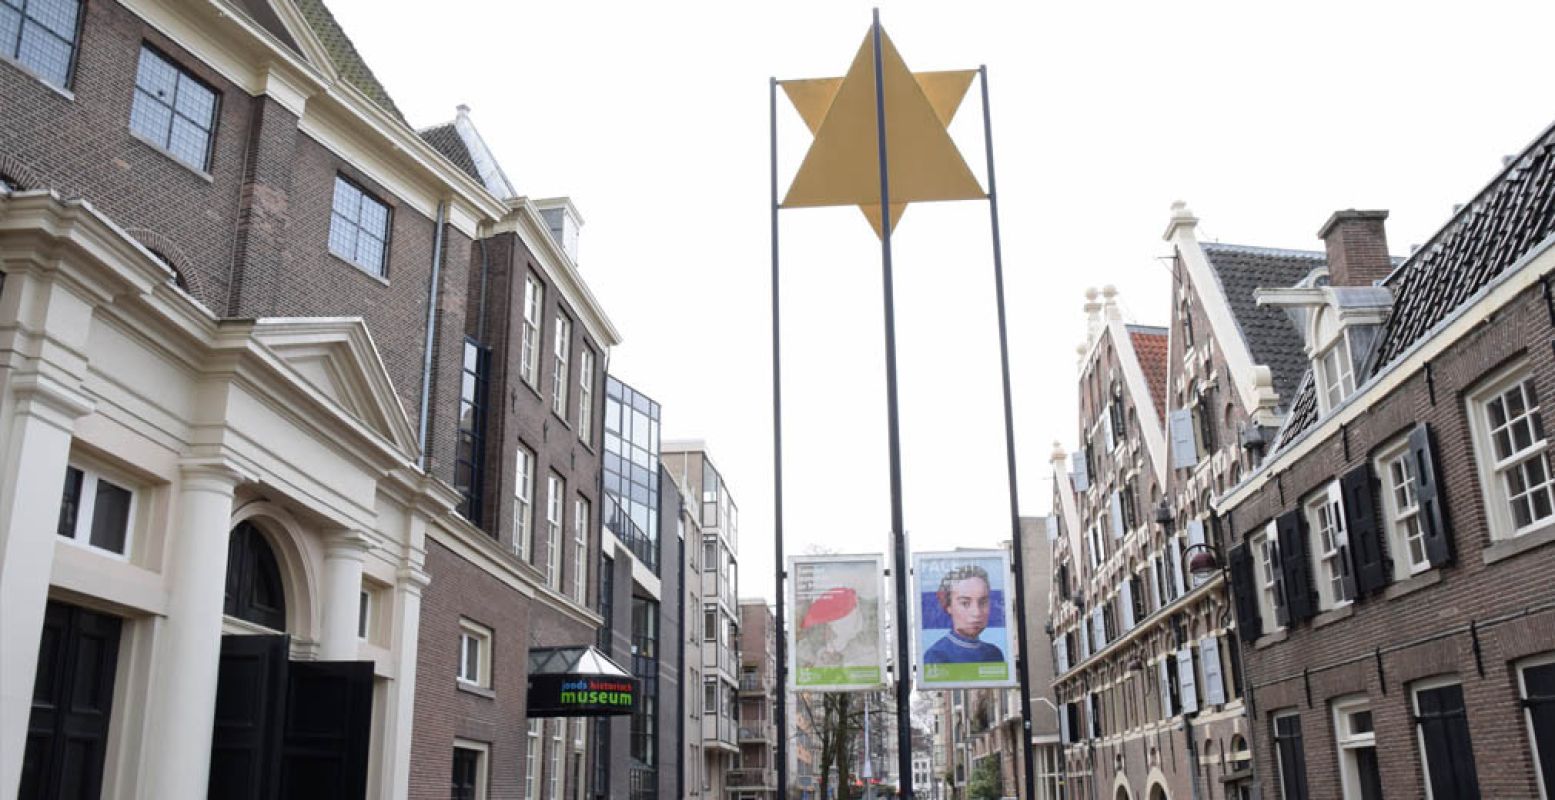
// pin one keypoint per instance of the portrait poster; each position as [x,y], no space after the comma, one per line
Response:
[837,631]
[961,634]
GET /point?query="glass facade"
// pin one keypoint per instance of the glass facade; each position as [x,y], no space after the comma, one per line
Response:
[645,719]
[631,470]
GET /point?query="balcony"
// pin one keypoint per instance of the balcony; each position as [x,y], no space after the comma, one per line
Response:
[751,779]
[757,731]
[754,684]
[636,539]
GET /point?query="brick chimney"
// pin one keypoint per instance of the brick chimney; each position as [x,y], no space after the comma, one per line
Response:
[1357,247]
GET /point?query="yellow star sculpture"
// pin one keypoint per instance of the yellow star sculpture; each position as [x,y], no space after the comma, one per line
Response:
[842,166]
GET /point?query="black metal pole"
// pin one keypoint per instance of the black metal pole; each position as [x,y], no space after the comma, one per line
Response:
[1009,453]
[898,533]
[781,711]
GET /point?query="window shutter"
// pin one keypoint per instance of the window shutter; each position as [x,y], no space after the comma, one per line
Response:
[1155,583]
[1214,679]
[1062,651]
[1166,688]
[1126,592]
[1295,566]
[1052,528]
[1063,725]
[1098,631]
[1187,684]
[1360,513]
[1081,475]
[1438,539]
[1107,423]
[1249,621]
[1117,517]
[1176,568]
[1195,532]
[1185,449]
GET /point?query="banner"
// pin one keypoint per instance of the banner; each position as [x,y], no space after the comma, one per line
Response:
[961,633]
[837,633]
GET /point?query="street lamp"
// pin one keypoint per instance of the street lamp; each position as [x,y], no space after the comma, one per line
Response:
[1202,561]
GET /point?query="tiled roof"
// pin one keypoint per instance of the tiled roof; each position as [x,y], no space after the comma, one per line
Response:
[1484,238]
[1150,348]
[348,62]
[1269,333]
[448,142]
[263,13]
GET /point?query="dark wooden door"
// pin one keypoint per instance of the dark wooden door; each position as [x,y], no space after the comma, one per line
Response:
[67,732]
[328,721]
[246,736]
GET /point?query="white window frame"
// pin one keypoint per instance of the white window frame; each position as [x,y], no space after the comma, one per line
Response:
[1330,545]
[532,744]
[523,504]
[1335,358]
[1271,581]
[477,673]
[555,505]
[529,354]
[1347,741]
[1547,659]
[586,395]
[561,358]
[1493,472]
[482,765]
[553,761]
[581,514]
[1395,467]
[86,510]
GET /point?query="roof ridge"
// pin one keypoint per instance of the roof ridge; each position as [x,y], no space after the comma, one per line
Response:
[1135,327]
[1253,248]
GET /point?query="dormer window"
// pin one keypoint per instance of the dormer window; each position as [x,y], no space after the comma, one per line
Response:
[1335,373]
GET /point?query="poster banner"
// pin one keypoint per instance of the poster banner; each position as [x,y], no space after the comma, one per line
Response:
[961,634]
[837,631]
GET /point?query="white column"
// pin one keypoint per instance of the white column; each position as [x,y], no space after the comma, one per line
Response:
[182,704]
[344,551]
[36,442]
[400,705]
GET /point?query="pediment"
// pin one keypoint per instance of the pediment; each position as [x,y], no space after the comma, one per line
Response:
[336,358]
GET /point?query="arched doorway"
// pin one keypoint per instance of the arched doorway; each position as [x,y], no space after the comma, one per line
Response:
[1123,794]
[254,589]
[1157,793]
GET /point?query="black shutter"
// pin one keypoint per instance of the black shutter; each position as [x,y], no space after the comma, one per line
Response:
[1296,566]
[246,736]
[1360,513]
[1244,594]
[1449,754]
[72,700]
[329,708]
[1433,514]
[1292,757]
[1540,702]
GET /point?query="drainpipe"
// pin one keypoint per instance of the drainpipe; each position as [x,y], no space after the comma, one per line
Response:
[426,363]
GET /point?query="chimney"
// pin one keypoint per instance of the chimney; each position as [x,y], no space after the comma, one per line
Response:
[1357,247]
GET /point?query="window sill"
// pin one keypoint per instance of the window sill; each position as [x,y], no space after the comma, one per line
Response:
[479,691]
[29,72]
[1503,550]
[159,150]
[358,267]
[1271,639]
[1413,584]
[561,419]
[1331,616]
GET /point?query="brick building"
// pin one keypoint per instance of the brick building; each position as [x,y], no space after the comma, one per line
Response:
[322,398]
[756,779]
[1391,556]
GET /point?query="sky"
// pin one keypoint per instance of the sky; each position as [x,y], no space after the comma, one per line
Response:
[654,118]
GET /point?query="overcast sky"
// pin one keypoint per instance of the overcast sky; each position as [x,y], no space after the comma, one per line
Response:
[653,117]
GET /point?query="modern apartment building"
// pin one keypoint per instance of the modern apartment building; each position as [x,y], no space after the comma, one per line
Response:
[756,779]
[319,395]
[1391,557]
[700,482]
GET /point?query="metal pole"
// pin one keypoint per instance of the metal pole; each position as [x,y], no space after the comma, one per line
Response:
[898,534]
[1009,454]
[781,711]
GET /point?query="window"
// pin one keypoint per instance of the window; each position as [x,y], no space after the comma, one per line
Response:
[1290,757]
[1401,507]
[1537,681]
[470,460]
[359,228]
[364,614]
[709,624]
[469,773]
[41,36]
[556,489]
[561,353]
[1271,581]
[553,764]
[1359,776]
[586,396]
[1445,749]
[523,504]
[172,110]
[474,654]
[529,358]
[580,542]
[1325,514]
[532,759]
[1336,377]
[96,511]
[1510,446]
